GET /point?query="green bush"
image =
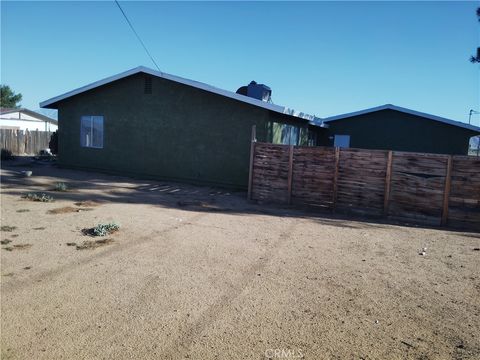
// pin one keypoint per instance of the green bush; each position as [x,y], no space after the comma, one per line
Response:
[105,229]
[61,186]
[53,143]
[38,197]
[6,154]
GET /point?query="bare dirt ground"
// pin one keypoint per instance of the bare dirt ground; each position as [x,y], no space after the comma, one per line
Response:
[200,273]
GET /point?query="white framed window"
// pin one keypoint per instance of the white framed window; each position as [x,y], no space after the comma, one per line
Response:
[91,131]
[342,141]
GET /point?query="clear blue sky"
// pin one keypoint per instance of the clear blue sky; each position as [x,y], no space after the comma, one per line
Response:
[322,58]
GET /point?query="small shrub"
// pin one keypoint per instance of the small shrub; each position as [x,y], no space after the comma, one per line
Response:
[61,186]
[45,153]
[105,229]
[6,154]
[102,229]
[38,197]
[53,144]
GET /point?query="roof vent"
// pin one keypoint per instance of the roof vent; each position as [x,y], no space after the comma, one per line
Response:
[148,85]
[256,91]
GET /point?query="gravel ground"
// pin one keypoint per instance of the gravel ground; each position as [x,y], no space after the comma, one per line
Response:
[200,273]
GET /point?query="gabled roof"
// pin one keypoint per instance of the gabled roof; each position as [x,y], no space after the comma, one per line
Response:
[404,110]
[5,111]
[50,103]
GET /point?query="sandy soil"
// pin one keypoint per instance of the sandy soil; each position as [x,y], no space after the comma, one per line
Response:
[200,273]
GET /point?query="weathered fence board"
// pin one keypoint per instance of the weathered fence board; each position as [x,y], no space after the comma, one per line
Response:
[361,181]
[21,142]
[464,199]
[312,182]
[270,172]
[415,187]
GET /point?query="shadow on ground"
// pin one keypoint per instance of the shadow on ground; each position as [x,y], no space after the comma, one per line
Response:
[99,187]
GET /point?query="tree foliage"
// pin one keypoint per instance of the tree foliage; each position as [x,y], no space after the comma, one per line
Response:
[53,143]
[476,59]
[8,97]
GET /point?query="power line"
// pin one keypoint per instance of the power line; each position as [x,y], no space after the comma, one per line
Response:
[136,34]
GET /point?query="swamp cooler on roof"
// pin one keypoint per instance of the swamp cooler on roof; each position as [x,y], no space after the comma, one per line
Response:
[256,91]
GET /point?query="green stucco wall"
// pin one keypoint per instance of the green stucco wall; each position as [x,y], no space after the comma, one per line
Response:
[176,133]
[394,130]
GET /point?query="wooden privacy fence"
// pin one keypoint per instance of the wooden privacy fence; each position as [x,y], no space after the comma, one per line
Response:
[424,188]
[21,142]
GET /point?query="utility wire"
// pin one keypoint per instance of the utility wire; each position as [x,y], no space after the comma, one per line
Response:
[136,34]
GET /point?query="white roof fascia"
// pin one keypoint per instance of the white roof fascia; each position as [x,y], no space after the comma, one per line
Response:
[312,119]
[39,117]
[319,123]
[405,110]
[178,79]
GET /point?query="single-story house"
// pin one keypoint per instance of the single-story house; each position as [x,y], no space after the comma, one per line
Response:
[24,119]
[396,128]
[152,124]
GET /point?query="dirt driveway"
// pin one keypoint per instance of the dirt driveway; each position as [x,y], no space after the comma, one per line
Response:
[200,273]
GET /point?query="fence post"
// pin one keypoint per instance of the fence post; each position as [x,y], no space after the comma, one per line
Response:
[290,173]
[37,142]
[17,145]
[335,178]
[253,140]
[446,191]
[388,181]
[27,143]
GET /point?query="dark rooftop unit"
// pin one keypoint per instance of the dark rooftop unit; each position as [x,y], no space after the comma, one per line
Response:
[256,91]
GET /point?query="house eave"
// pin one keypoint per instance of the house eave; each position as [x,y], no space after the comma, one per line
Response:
[404,110]
[30,113]
[52,102]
